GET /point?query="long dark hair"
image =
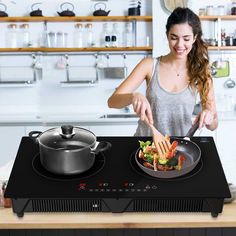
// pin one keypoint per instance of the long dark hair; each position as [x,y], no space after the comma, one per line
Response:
[198,59]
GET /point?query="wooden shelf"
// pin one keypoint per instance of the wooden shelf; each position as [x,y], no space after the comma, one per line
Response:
[226,17]
[93,49]
[222,48]
[74,18]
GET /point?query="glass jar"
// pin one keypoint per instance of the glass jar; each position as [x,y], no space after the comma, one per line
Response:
[202,12]
[52,40]
[11,36]
[78,35]
[61,39]
[24,35]
[221,10]
[128,35]
[89,35]
[210,10]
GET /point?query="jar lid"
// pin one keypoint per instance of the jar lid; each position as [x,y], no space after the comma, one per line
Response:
[78,25]
[67,137]
[12,26]
[24,26]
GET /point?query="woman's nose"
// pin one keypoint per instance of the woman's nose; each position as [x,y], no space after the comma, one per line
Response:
[180,42]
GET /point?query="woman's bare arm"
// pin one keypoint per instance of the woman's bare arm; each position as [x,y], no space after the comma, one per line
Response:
[123,96]
[208,116]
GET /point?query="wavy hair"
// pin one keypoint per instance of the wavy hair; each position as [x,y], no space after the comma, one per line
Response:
[198,59]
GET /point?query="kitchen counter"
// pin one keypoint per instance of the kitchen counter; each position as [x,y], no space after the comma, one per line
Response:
[8,220]
[29,115]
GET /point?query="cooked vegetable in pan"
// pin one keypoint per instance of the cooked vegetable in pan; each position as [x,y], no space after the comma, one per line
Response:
[152,160]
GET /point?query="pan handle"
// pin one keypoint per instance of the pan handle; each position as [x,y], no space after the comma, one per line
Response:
[192,130]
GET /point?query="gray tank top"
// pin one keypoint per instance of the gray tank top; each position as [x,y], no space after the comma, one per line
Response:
[172,112]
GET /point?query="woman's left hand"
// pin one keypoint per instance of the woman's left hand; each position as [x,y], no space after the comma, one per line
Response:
[206,118]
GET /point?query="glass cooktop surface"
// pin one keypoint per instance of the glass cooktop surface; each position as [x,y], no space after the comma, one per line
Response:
[116,174]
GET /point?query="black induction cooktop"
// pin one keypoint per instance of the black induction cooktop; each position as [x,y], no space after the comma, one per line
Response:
[116,184]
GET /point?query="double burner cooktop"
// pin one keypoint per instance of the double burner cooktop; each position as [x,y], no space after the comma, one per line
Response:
[116,184]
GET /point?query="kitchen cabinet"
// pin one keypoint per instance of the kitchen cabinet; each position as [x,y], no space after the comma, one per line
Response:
[218,25]
[227,148]
[10,137]
[46,20]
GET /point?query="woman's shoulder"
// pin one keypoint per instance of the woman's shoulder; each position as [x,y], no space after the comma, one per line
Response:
[148,61]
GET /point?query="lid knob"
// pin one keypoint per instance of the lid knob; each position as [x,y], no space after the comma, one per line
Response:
[67,131]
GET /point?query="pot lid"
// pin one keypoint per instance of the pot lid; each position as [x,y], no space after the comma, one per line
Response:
[67,137]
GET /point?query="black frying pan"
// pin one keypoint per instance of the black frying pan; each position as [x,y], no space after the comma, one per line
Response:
[189,149]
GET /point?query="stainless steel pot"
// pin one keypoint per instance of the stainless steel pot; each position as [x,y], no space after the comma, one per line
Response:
[68,150]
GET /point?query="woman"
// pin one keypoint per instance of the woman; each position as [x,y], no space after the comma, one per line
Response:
[173,81]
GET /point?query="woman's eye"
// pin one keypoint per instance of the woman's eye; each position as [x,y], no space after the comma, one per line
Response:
[173,38]
[186,39]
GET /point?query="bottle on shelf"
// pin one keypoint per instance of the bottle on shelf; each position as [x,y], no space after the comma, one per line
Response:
[128,35]
[24,39]
[223,37]
[61,38]
[12,36]
[115,36]
[78,36]
[106,36]
[89,38]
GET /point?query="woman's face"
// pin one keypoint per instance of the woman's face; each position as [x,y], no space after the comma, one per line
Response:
[181,39]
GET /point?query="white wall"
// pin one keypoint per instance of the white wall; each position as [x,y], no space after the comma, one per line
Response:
[48,94]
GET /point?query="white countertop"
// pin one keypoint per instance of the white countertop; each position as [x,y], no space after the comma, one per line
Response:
[31,114]
[28,114]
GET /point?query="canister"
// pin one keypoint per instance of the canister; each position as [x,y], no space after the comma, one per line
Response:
[210,10]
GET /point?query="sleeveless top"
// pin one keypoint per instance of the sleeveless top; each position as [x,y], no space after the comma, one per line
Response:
[172,111]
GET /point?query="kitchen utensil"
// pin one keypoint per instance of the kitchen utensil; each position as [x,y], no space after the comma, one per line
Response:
[222,68]
[170,5]
[100,8]
[112,72]
[37,12]
[229,83]
[67,150]
[162,144]
[3,12]
[67,12]
[189,149]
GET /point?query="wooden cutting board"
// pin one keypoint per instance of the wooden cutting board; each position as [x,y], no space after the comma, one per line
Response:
[170,5]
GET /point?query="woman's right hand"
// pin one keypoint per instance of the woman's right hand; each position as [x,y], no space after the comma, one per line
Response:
[142,107]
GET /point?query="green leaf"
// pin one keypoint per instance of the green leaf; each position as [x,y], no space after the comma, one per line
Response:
[172,162]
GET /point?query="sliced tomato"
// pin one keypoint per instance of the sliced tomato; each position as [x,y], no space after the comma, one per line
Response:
[181,160]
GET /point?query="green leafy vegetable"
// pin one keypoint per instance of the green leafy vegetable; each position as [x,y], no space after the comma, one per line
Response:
[172,162]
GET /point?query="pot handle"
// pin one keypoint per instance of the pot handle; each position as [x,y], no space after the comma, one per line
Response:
[34,135]
[101,147]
